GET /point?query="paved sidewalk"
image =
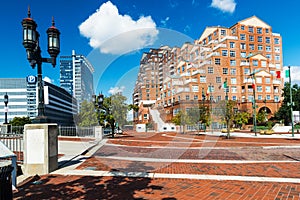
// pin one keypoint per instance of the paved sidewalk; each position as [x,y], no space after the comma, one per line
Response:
[148,167]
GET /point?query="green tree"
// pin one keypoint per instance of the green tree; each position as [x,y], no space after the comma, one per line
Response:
[261,117]
[87,115]
[181,119]
[119,108]
[20,121]
[241,118]
[227,113]
[284,112]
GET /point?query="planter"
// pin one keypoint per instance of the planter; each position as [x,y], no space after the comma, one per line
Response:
[269,132]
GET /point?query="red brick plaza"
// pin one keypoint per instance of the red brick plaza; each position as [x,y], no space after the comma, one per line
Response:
[173,166]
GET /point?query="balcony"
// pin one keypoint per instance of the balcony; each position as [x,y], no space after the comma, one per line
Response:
[207,62]
[220,46]
[212,54]
[229,38]
[277,82]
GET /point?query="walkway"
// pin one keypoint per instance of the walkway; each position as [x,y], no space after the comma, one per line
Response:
[177,166]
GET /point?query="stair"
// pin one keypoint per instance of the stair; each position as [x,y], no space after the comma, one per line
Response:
[277,128]
[161,125]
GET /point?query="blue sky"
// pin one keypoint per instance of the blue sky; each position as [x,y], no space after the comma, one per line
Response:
[113,34]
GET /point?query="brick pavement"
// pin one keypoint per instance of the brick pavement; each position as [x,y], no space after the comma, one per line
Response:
[267,163]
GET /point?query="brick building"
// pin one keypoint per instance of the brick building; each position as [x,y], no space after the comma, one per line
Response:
[244,57]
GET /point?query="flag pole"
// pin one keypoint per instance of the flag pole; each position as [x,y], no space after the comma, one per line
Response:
[291,100]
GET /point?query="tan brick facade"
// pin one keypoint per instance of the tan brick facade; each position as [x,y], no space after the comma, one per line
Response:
[247,52]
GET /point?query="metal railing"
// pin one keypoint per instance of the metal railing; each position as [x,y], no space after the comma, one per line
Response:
[76,131]
[15,143]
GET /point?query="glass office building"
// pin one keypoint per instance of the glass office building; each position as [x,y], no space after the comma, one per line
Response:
[76,77]
[60,106]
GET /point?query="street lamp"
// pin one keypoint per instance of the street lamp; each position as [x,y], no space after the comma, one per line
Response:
[33,51]
[98,103]
[5,108]
[254,102]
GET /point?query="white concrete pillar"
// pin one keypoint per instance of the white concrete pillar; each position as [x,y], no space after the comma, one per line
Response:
[98,130]
[40,148]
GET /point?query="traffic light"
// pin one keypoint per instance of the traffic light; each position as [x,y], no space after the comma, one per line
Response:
[278,74]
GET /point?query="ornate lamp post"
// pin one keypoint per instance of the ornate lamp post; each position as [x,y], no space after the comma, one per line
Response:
[31,44]
[5,108]
[98,103]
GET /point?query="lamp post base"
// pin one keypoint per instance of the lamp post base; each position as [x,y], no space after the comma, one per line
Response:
[40,120]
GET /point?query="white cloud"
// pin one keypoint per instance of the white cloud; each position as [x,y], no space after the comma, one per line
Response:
[164,22]
[114,33]
[224,5]
[115,90]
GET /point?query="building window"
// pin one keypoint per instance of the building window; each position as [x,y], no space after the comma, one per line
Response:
[251,38]
[210,70]
[277,57]
[232,71]
[202,79]
[264,63]
[246,71]
[209,38]
[223,32]
[259,30]
[232,45]
[232,53]
[268,41]
[259,88]
[276,98]
[267,30]
[250,29]
[260,47]
[145,116]
[187,97]
[232,63]
[242,27]
[255,63]
[268,48]
[259,39]
[251,46]
[243,54]
[242,37]
[268,97]
[225,70]
[268,80]
[233,81]
[217,61]
[268,89]
[224,53]
[233,89]
[195,88]
[195,97]
[243,46]
[276,40]
[259,97]
[218,79]
[269,56]
[277,49]
[233,31]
